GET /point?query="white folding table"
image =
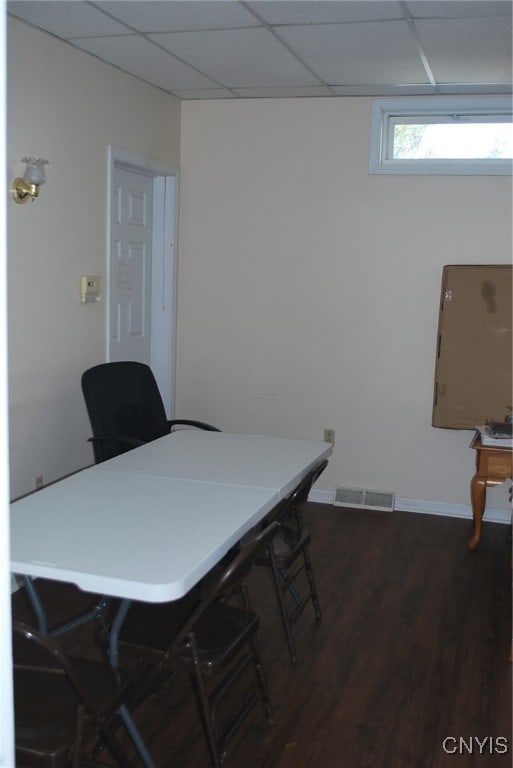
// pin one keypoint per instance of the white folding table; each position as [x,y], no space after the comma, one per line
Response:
[149,524]
[135,536]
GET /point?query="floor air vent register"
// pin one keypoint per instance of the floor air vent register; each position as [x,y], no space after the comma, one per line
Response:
[366,499]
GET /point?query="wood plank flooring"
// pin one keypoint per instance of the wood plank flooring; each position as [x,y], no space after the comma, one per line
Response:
[413,649]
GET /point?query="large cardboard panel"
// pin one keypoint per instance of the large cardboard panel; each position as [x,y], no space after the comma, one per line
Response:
[473,375]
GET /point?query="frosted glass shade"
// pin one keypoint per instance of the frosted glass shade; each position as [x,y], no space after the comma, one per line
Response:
[35,170]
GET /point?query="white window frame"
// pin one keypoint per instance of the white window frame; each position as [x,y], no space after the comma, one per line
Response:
[386,111]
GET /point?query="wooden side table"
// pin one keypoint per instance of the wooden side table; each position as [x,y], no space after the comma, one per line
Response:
[493,466]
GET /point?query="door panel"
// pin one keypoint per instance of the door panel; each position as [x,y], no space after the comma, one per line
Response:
[130,267]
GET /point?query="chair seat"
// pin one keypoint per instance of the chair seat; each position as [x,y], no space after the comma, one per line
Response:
[36,748]
[45,718]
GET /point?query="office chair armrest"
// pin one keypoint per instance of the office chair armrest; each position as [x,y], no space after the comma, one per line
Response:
[133,441]
[192,423]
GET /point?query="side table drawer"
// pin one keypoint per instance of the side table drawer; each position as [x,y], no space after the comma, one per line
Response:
[497,465]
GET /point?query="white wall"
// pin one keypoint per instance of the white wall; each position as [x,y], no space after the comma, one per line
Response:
[308,290]
[67,107]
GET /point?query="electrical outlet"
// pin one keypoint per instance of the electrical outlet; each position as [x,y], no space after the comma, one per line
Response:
[39,482]
[329,436]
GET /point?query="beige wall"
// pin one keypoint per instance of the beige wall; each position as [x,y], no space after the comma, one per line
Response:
[67,107]
[308,290]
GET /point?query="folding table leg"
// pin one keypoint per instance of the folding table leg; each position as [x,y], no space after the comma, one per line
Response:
[42,621]
[123,711]
[37,605]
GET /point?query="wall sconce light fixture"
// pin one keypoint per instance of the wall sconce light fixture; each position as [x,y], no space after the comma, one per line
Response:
[33,178]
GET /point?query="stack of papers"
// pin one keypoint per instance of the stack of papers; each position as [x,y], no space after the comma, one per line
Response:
[489,439]
[501,428]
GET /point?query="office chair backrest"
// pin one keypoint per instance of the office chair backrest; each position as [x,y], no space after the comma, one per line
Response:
[123,399]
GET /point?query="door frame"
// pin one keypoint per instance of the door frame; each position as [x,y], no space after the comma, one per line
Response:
[164,264]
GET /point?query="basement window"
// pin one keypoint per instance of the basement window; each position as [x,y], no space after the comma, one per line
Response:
[442,135]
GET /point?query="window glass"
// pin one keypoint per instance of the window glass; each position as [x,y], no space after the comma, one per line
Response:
[438,135]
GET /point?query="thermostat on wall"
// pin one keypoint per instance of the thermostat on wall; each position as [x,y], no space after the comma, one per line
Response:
[90,288]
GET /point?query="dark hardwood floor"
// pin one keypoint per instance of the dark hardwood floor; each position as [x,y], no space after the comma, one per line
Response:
[413,649]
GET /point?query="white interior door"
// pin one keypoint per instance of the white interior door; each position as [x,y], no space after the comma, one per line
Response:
[130,266]
[143,217]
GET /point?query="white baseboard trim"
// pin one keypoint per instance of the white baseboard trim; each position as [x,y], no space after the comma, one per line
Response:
[422,506]
[492,514]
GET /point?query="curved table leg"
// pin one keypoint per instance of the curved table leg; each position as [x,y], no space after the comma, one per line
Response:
[478,497]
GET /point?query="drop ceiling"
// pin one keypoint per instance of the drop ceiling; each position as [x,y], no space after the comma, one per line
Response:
[216,49]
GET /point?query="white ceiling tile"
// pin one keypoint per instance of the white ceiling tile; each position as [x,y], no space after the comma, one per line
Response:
[141,58]
[66,19]
[467,50]
[325,11]
[334,52]
[158,16]
[454,9]
[238,57]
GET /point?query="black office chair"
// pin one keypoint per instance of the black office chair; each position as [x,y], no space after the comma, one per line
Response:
[125,408]
[65,707]
[210,633]
[291,550]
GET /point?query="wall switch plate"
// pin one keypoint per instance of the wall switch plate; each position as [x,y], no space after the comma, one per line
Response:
[329,436]
[90,288]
